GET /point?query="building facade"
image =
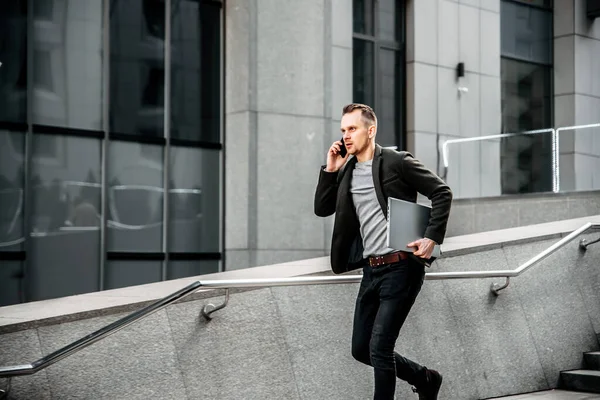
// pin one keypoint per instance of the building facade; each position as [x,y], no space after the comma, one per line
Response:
[434,70]
[229,108]
[105,106]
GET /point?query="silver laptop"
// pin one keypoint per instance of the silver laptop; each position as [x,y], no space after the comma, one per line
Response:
[406,223]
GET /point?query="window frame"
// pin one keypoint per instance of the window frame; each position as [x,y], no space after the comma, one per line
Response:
[549,85]
[398,46]
[31,129]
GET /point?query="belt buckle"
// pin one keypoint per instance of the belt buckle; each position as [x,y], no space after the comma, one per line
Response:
[376,261]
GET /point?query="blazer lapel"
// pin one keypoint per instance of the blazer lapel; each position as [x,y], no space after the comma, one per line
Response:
[345,183]
[377,159]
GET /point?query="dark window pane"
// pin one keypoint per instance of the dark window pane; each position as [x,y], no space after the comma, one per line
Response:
[363,17]
[196,71]
[388,107]
[362,65]
[388,20]
[67,63]
[135,197]
[539,3]
[43,10]
[183,269]
[526,33]
[130,273]
[12,161]
[194,200]
[526,96]
[11,279]
[65,237]
[13,56]
[526,105]
[137,33]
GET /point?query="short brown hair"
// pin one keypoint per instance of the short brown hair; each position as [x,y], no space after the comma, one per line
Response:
[368,115]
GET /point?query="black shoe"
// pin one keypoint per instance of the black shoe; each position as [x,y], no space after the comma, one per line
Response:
[431,390]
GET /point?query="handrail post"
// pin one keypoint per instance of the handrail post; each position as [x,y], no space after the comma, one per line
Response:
[5,392]
[555,161]
[557,148]
[583,244]
[210,308]
[496,288]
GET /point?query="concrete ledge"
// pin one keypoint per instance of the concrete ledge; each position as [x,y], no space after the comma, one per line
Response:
[502,212]
[56,311]
[526,196]
[491,240]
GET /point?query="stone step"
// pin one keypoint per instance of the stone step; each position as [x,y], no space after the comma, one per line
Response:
[552,395]
[592,360]
[583,380]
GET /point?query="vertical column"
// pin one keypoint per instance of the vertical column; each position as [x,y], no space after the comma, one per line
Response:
[577,94]
[240,120]
[105,128]
[340,74]
[276,115]
[440,35]
[167,148]
[27,209]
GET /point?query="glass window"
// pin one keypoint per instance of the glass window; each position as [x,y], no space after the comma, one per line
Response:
[388,20]
[137,33]
[130,273]
[183,269]
[13,56]
[196,71]
[135,197]
[364,17]
[67,63]
[377,65]
[66,216]
[11,282]
[194,200]
[526,105]
[526,33]
[12,200]
[539,3]
[526,76]
[363,85]
[388,110]
[526,96]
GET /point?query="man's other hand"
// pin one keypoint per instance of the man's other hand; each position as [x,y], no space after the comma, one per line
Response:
[424,247]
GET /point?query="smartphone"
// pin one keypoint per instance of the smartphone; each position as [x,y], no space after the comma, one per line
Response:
[343,150]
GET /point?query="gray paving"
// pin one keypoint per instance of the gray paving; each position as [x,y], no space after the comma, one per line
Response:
[553,395]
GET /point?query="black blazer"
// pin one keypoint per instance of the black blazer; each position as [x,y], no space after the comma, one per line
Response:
[395,174]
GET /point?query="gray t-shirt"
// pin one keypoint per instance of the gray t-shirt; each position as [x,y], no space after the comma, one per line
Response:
[373,225]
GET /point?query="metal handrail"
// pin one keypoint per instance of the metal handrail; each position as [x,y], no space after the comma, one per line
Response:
[555,165]
[555,147]
[28,369]
[557,141]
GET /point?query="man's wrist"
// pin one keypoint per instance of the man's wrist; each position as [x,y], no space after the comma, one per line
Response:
[436,243]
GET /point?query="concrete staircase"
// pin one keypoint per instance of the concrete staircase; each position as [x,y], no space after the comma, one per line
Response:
[552,395]
[584,380]
[581,384]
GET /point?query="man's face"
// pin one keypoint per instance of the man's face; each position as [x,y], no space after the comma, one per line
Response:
[356,132]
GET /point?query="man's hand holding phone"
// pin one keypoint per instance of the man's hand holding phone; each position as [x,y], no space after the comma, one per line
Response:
[336,156]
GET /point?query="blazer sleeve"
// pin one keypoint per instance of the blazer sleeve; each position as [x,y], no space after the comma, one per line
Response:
[429,184]
[326,193]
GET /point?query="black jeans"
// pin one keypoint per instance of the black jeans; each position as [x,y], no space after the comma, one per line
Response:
[385,297]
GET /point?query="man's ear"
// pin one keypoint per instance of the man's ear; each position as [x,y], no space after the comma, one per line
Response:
[372,131]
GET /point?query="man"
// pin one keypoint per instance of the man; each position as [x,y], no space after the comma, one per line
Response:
[356,190]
